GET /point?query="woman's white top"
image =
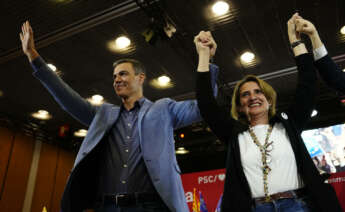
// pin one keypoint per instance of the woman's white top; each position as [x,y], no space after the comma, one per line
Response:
[283,175]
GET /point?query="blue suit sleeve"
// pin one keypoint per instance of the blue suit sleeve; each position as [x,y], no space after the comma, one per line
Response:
[65,96]
[187,112]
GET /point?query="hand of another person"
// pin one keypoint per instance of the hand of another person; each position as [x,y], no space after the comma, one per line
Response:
[304,26]
[27,39]
[205,44]
[292,33]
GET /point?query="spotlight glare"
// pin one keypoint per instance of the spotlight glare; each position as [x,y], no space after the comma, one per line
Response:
[96,99]
[247,57]
[80,133]
[220,8]
[42,115]
[122,42]
[52,67]
[163,80]
[181,151]
[342,30]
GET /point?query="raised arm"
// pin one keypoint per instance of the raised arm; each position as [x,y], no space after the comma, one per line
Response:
[306,86]
[67,98]
[28,43]
[329,71]
[218,119]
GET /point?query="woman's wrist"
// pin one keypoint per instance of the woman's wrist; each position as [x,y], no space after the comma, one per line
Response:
[204,62]
[300,49]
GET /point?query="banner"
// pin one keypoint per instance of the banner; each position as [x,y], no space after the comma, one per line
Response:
[337,180]
[211,184]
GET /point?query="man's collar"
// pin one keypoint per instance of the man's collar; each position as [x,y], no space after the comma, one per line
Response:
[137,103]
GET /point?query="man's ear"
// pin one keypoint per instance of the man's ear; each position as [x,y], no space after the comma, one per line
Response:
[142,77]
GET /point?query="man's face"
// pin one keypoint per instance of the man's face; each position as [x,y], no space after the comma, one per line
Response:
[126,82]
[252,100]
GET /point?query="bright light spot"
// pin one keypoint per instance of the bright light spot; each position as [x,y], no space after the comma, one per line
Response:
[96,99]
[344,70]
[122,42]
[342,30]
[42,115]
[52,67]
[181,151]
[163,80]
[247,57]
[181,135]
[314,113]
[43,112]
[80,133]
[220,8]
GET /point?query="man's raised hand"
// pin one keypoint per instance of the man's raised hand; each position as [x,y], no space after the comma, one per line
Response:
[27,39]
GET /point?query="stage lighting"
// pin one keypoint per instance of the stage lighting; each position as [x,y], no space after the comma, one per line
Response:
[181,151]
[247,57]
[342,30]
[42,115]
[80,133]
[96,99]
[220,8]
[52,67]
[122,42]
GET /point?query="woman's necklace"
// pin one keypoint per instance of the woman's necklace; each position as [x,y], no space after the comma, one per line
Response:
[265,150]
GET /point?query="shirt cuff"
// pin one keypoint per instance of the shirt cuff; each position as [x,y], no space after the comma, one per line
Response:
[320,52]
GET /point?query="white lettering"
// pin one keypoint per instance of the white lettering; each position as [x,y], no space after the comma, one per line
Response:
[189,196]
[208,179]
[200,179]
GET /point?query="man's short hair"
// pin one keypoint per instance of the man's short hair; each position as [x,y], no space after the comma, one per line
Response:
[137,65]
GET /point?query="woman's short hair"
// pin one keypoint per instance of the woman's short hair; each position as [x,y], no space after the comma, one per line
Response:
[137,65]
[268,91]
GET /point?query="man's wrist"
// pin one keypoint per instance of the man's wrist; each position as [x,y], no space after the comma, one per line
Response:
[32,54]
[315,40]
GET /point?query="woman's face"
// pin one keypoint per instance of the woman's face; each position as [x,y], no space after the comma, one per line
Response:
[253,102]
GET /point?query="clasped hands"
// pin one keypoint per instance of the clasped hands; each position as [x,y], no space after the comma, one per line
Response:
[205,44]
[297,25]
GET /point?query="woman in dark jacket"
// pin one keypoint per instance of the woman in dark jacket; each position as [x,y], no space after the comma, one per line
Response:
[268,166]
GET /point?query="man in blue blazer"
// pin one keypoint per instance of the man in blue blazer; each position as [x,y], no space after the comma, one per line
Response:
[127,160]
[329,71]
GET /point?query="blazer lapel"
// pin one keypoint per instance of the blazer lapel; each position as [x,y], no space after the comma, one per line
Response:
[113,116]
[143,110]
